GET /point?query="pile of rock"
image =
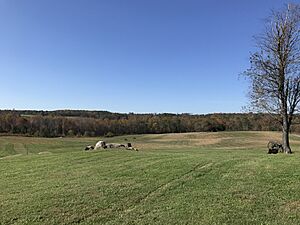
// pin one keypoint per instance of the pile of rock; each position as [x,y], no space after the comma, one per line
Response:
[104,145]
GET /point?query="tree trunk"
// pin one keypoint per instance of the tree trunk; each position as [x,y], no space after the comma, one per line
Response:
[285,136]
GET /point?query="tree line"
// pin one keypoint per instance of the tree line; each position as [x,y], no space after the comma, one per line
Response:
[103,123]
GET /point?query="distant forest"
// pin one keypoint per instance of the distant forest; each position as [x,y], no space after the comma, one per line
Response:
[102,123]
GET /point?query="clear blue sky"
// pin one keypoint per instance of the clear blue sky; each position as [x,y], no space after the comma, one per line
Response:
[128,55]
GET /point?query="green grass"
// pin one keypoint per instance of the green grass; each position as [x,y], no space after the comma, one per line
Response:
[200,178]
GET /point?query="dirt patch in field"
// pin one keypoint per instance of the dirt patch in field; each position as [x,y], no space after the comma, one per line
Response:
[293,206]
[179,140]
[222,140]
[44,153]
[191,138]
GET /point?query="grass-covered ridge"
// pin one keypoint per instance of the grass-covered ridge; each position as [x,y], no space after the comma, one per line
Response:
[193,178]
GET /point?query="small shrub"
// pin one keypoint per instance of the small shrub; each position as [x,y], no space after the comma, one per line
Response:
[70,133]
[109,134]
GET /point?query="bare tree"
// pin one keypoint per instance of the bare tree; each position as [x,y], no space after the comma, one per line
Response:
[275,71]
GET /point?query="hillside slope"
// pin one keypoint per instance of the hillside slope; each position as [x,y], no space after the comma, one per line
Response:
[193,178]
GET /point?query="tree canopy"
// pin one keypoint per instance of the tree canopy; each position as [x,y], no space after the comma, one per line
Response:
[275,71]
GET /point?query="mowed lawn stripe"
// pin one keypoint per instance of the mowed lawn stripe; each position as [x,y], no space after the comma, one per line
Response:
[47,176]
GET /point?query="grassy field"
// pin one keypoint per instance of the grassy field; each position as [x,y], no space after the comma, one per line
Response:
[194,178]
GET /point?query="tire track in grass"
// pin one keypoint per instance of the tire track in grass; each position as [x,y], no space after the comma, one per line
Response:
[160,189]
[10,156]
[166,186]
